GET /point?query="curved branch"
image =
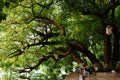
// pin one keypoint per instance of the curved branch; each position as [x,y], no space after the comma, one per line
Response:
[45,58]
[51,22]
[54,23]
[76,45]
[45,36]
[22,50]
[80,47]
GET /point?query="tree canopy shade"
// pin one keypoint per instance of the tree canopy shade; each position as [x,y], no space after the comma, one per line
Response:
[106,11]
[54,33]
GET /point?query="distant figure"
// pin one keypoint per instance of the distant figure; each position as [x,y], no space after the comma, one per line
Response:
[82,73]
[87,71]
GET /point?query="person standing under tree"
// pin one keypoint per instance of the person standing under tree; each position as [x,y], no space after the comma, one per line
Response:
[84,72]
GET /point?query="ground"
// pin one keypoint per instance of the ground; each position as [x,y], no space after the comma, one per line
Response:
[105,76]
[94,76]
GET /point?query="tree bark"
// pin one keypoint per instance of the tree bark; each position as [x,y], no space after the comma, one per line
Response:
[116,52]
[76,57]
[80,47]
[107,51]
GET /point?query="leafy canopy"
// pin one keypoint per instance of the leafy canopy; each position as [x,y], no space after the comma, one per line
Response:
[38,33]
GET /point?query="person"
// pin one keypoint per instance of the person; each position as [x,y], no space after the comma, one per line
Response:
[85,71]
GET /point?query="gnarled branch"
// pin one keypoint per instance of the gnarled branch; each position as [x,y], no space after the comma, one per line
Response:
[45,58]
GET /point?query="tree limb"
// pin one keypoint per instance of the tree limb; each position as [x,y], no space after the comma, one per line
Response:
[111,7]
[50,22]
[45,58]
[45,36]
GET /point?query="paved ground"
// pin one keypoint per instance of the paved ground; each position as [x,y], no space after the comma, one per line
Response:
[105,76]
[95,76]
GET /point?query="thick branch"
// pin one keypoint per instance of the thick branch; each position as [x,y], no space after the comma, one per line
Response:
[43,43]
[51,22]
[22,50]
[45,58]
[45,36]
[80,47]
[15,53]
[76,57]
[76,45]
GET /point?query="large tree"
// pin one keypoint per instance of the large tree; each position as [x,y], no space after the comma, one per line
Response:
[56,32]
[107,11]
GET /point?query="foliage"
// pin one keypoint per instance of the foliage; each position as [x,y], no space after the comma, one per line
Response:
[41,35]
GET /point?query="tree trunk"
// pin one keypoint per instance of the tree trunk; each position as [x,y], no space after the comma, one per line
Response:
[116,52]
[107,51]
